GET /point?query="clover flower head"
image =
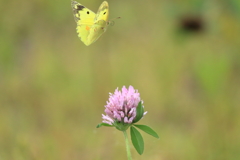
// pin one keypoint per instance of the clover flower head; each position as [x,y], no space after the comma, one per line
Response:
[122,111]
[122,106]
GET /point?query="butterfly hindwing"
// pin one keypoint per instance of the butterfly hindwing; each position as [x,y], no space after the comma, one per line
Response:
[90,26]
[97,30]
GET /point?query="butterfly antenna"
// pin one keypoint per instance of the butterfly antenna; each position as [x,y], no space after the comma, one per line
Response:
[111,22]
[116,18]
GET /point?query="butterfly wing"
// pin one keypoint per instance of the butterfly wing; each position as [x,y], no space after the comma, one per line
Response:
[103,12]
[84,18]
[100,23]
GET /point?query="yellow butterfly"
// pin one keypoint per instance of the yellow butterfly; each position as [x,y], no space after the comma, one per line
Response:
[90,26]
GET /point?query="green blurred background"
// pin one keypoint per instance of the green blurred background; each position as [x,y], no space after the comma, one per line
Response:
[182,55]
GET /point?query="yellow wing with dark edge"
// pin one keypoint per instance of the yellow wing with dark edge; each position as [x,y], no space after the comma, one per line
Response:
[90,26]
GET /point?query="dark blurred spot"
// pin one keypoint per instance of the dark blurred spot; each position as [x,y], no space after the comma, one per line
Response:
[87,12]
[192,24]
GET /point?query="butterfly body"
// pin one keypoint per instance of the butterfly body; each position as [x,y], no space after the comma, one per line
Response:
[90,26]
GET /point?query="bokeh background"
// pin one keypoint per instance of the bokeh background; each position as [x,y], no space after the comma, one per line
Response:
[183,56]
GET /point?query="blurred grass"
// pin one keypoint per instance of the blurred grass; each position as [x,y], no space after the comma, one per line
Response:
[53,88]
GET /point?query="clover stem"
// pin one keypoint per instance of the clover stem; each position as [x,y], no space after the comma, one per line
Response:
[127,145]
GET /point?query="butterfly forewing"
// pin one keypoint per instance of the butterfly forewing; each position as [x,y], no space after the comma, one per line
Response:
[82,15]
[100,22]
[103,12]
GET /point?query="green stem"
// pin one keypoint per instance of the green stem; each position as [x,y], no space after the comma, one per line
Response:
[127,146]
